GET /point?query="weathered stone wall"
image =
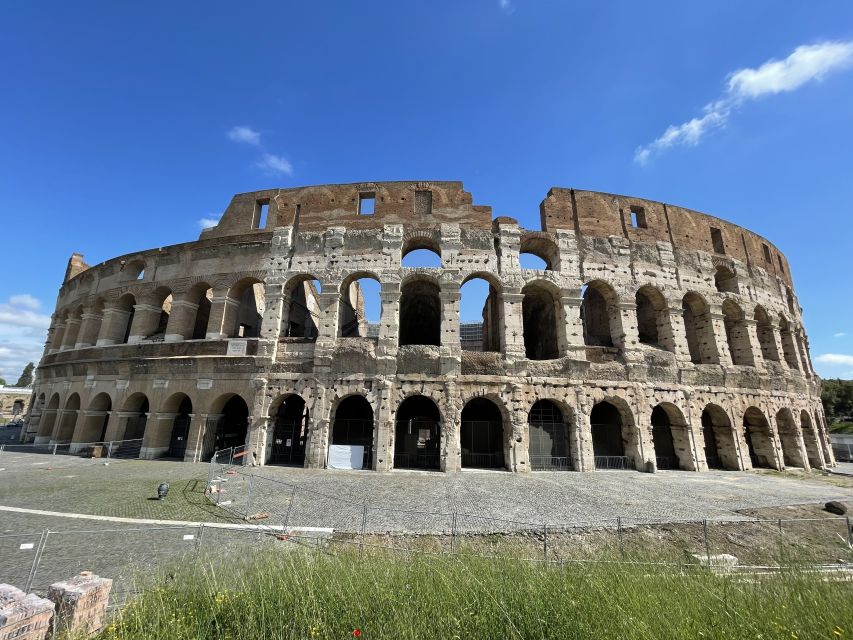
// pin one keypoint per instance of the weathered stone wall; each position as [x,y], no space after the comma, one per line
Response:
[718,345]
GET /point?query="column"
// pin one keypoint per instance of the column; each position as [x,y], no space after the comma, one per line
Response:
[389,325]
[58,335]
[196,437]
[90,327]
[113,326]
[223,310]
[513,326]
[72,329]
[572,338]
[623,330]
[181,321]
[679,335]
[720,338]
[750,326]
[451,348]
[318,433]
[146,318]
[157,436]
[383,430]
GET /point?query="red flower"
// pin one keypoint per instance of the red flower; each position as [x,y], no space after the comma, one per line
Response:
[356,633]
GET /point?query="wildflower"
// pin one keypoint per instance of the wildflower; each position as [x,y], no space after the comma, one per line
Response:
[356,633]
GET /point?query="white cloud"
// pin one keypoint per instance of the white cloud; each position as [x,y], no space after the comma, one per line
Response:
[835,359]
[840,334]
[806,63]
[506,6]
[245,135]
[275,164]
[207,223]
[22,334]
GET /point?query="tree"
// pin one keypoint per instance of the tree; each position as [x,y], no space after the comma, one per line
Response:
[26,379]
[2,382]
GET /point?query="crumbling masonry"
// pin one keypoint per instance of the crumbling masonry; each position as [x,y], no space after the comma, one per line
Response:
[655,337]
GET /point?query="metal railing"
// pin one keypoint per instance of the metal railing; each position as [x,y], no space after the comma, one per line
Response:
[843,451]
[667,463]
[612,462]
[550,463]
[483,460]
[108,449]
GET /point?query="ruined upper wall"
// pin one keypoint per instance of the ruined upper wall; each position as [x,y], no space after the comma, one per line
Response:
[591,213]
[319,207]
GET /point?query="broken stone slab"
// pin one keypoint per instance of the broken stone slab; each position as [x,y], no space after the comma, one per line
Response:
[81,603]
[23,616]
[836,507]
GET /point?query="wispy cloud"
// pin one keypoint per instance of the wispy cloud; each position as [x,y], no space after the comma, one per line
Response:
[245,135]
[836,359]
[22,334]
[207,223]
[840,334]
[805,64]
[506,6]
[274,164]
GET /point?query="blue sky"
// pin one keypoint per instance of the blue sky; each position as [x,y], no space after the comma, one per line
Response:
[117,122]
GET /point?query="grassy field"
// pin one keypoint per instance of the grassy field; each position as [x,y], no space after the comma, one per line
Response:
[841,427]
[343,594]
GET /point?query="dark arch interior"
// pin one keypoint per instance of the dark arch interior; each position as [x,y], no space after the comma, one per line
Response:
[290,432]
[353,426]
[539,317]
[608,445]
[595,318]
[233,425]
[135,426]
[756,432]
[725,280]
[417,442]
[180,429]
[665,456]
[549,441]
[420,313]
[647,319]
[482,435]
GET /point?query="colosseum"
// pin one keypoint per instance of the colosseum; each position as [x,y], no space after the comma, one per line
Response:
[651,337]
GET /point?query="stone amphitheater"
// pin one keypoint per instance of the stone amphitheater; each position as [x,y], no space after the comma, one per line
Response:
[650,337]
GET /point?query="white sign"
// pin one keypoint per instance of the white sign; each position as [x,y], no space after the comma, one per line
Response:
[236,348]
[27,545]
[189,536]
[204,384]
[346,456]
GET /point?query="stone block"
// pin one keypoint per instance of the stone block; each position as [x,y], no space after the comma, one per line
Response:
[81,603]
[23,616]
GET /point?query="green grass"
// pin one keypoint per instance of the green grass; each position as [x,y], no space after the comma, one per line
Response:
[305,594]
[841,427]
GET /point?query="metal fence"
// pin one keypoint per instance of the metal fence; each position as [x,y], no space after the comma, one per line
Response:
[843,451]
[112,449]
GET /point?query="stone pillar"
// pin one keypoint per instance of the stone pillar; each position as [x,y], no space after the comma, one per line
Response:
[72,329]
[195,438]
[518,454]
[146,318]
[778,461]
[572,337]
[181,321]
[645,446]
[89,329]
[451,444]
[317,444]
[583,454]
[66,423]
[47,423]
[223,310]
[118,424]
[623,330]
[81,604]
[113,326]
[88,430]
[451,348]
[384,429]
[679,335]
[58,335]
[512,339]
[751,327]
[720,338]
[389,324]
[157,436]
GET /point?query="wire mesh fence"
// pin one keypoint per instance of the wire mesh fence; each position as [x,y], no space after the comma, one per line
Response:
[109,449]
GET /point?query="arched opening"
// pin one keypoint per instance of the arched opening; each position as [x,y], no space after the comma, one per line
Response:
[420,313]
[135,410]
[599,314]
[134,270]
[96,420]
[59,329]
[480,315]
[68,419]
[608,438]
[759,440]
[360,307]
[789,296]
[72,329]
[422,258]
[787,339]
[243,319]
[787,429]
[671,439]
[48,418]
[482,435]
[737,335]
[202,296]
[302,307]
[811,440]
[232,425]
[720,448]
[549,438]
[766,337]
[124,315]
[180,428]
[417,441]
[725,280]
[699,330]
[538,251]
[541,316]
[352,435]
[653,327]
[290,432]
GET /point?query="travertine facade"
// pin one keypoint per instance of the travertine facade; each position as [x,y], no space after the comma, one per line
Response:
[655,337]
[14,402]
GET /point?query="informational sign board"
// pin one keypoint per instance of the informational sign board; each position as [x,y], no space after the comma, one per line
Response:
[236,348]
[346,456]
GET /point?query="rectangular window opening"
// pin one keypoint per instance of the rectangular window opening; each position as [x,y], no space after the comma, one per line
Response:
[766,253]
[423,202]
[781,266]
[366,204]
[638,218]
[717,240]
[262,209]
